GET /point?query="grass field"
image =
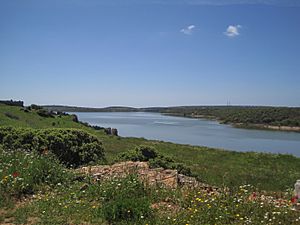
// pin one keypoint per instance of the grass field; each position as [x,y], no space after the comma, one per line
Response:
[270,172]
[38,189]
[55,197]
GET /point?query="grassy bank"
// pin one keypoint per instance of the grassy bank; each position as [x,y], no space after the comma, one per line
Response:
[271,172]
[39,186]
[37,189]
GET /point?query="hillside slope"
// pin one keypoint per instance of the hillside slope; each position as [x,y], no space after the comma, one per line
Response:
[213,166]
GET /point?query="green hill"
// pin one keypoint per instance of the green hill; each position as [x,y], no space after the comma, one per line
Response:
[213,166]
[38,150]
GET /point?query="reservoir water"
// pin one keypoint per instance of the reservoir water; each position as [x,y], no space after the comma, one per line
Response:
[200,132]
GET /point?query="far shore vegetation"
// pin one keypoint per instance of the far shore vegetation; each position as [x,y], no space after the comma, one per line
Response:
[253,117]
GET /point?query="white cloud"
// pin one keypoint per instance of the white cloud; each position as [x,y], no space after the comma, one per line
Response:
[188,30]
[233,30]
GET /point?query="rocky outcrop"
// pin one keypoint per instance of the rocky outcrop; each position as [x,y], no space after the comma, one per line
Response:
[151,176]
[114,132]
[111,131]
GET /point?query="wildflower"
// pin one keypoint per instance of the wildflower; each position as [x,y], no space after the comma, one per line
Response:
[294,199]
[252,197]
[15,174]
[93,206]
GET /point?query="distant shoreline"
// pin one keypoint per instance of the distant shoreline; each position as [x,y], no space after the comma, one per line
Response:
[232,115]
[268,127]
[240,125]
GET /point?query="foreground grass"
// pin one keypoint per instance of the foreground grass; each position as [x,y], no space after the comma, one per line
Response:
[269,172]
[73,205]
[55,195]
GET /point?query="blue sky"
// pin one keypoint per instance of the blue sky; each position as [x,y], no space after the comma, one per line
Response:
[151,52]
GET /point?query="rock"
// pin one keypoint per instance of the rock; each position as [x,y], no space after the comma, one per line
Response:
[154,177]
[114,132]
[111,131]
[74,118]
[107,131]
[297,188]
[188,181]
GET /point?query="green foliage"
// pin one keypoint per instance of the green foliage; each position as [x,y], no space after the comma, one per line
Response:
[277,116]
[44,113]
[140,153]
[149,154]
[35,107]
[105,202]
[125,199]
[24,173]
[269,172]
[72,147]
[31,118]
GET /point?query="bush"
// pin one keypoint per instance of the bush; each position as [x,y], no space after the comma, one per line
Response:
[72,147]
[35,107]
[44,113]
[169,163]
[125,199]
[74,118]
[140,153]
[155,159]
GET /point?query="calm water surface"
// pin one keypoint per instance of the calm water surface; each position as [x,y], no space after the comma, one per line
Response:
[195,132]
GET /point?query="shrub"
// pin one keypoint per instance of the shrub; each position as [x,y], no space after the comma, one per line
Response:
[140,153]
[169,163]
[72,147]
[35,107]
[44,113]
[74,118]
[125,199]
[155,159]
